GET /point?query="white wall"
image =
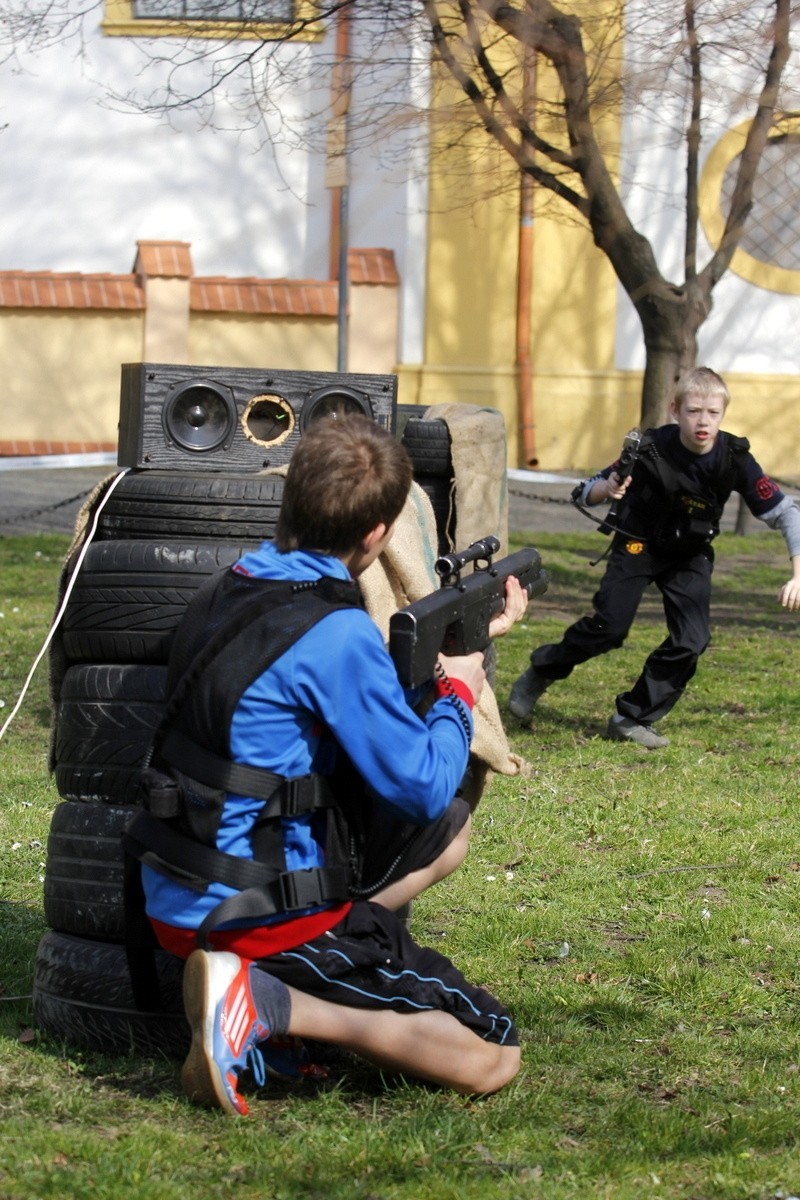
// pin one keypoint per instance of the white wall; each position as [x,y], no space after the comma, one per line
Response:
[91,177]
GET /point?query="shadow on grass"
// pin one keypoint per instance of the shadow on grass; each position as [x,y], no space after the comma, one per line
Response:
[22,927]
[546,718]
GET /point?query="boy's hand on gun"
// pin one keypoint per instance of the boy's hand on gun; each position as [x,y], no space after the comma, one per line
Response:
[469,668]
[613,488]
[515,609]
[616,487]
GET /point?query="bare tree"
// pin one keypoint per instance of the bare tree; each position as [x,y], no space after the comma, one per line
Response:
[707,60]
[735,52]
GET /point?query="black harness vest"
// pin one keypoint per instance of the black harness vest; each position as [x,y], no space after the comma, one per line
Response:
[690,517]
[232,631]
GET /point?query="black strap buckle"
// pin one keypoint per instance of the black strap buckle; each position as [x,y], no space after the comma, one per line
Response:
[304,793]
[306,889]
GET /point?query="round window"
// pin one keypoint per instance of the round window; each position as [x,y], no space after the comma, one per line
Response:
[768,254]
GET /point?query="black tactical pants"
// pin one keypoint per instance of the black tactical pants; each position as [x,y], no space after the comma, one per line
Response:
[685,586]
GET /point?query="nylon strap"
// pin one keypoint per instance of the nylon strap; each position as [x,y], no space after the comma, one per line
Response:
[303,793]
[155,843]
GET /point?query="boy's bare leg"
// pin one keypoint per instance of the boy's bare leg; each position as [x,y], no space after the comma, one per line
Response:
[396,894]
[428,1045]
[232,1007]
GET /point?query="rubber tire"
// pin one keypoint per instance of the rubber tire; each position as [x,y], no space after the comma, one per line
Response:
[84,871]
[428,446]
[82,995]
[188,505]
[129,597]
[105,721]
[403,414]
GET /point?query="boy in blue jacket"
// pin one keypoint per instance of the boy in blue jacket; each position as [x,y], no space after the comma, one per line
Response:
[314,801]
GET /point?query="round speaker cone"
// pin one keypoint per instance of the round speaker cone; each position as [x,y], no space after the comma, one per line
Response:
[334,401]
[199,417]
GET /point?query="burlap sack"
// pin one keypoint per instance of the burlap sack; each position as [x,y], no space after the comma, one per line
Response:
[478,447]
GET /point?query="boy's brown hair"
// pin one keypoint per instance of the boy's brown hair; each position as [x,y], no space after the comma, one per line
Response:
[346,476]
[701,382]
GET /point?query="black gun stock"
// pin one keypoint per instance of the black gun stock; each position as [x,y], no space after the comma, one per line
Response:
[455,619]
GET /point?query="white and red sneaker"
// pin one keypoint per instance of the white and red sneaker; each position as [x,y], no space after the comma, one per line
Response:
[226,1030]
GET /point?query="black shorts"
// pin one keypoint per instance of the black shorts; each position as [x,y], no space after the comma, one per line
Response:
[394,848]
[369,960]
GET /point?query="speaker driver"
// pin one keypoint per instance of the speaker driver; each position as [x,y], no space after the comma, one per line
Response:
[200,416]
[334,401]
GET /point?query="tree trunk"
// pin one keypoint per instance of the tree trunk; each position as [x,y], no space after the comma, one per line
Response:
[662,312]
[661,371]
[670,317]
[743,515]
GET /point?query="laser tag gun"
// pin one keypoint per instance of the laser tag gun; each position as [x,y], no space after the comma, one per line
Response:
[455,619]
[623,469]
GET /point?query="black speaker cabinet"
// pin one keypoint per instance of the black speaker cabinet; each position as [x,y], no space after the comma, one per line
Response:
[235,418]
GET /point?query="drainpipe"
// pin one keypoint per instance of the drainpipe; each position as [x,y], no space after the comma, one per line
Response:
[337,178]
[524,368]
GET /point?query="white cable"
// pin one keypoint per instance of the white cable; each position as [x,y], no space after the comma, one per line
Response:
[67,594]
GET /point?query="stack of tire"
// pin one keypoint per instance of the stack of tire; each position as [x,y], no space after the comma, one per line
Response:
[159,536]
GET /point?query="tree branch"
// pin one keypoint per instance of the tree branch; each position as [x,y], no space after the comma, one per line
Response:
[490,122]
[756,140]
[516,118]
[558,37]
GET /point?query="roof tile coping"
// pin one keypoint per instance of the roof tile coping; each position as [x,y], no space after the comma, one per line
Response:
[73,290]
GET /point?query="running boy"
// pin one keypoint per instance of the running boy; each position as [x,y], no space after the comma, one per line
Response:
[313,801]
[670,512]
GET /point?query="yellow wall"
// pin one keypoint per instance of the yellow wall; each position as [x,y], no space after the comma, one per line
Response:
[60,376]
[471,332]
[471,315]
[61,373]
[761,409]
[285,343]
[303,343]
[581,418]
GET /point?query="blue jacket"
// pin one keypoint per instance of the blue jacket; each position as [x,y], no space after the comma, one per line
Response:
[335,686]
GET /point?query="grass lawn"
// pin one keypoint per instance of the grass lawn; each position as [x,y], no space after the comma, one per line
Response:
[636,910]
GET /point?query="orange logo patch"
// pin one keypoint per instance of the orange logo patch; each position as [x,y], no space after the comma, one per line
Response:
[634,547]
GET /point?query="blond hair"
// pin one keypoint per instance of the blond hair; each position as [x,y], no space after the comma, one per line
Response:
[703,383]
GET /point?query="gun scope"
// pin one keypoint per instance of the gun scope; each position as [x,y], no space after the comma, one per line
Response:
[450,564]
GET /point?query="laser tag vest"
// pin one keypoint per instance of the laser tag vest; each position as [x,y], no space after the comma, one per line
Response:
[232,631]
[689,512]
